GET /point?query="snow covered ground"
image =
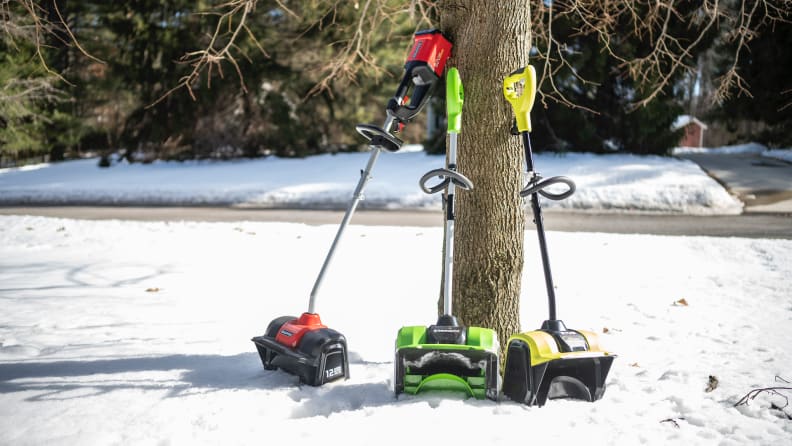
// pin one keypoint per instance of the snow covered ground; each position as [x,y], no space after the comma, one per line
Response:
[605,183]
[117,332]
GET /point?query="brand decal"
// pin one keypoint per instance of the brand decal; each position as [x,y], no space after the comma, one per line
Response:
[335,371]
[286,333]
[438,59]
[447,330]
[417,49]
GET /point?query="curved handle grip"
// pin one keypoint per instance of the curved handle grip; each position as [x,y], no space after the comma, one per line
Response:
[422,80]
[447,176]
[379,138]
[538,186]
[455,97]
[521,103]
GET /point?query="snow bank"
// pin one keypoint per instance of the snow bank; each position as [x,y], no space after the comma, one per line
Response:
[605,182]
[752,147]
[780,154]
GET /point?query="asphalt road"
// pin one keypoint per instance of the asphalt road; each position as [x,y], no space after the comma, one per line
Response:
[763,184]
[756,225]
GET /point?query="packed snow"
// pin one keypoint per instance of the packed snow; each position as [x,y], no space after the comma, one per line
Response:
[615,182]
[751,148]
[744,149]
[117,332]
[780,154]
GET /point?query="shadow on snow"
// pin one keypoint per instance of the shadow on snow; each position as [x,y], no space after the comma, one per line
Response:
[195,374]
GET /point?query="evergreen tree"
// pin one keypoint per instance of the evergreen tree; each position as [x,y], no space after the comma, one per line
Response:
[594,107]
[29,93]
[262,102]
[765,67]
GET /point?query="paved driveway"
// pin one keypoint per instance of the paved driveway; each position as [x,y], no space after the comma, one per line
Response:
[763,184]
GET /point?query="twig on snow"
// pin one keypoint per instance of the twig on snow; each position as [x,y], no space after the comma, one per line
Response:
[775,390]
[673,421]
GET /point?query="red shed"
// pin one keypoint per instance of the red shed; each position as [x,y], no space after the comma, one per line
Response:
[694,131]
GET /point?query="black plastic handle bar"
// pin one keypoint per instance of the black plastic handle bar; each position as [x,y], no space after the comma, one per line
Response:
[422,80]
[447,176]
[378,137]
[538,184]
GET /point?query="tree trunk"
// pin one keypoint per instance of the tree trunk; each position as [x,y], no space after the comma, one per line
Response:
[491,39]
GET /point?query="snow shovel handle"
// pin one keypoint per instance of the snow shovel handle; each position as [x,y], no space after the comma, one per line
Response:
[537,185]
[455,97]
[357,196]
[420,95]
[447,176]
[521,102]
[425,64]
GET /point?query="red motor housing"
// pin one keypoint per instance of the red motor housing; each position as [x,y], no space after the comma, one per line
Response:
[430,47]
[425,64]
[292,332]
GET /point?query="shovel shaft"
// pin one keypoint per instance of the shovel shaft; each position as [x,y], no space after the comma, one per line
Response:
[540,232]
[357,196]
[448,270]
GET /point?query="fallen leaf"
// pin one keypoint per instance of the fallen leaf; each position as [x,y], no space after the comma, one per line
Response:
[605,330]
[152,290]
[681,302]
[712,383]
[634,364]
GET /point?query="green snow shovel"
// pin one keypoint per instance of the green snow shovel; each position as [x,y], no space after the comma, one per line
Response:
[448,356]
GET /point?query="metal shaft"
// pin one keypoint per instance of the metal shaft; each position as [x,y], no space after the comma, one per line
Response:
[357,196]
[537,213]
[449,228]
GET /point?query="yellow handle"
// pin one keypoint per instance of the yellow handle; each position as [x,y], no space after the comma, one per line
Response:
[522,103]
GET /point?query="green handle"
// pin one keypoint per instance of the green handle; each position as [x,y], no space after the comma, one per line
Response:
[455,96]
[522,103]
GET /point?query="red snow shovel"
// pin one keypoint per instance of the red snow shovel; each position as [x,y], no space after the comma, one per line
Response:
[304,346]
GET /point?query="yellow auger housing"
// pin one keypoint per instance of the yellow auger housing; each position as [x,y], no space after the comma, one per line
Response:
[548,364]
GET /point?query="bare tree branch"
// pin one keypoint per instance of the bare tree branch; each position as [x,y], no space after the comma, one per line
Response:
[648,20]
[788,104]
[776,390]
[651,20]
[211,57]
[38,28]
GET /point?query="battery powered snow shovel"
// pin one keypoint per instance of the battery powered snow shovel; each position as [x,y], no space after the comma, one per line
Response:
[554,361]
[447,356]
[304,346]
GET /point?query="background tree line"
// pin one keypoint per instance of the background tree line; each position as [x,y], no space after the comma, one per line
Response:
[178,79]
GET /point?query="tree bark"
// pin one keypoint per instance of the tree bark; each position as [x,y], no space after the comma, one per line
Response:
[491,39]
